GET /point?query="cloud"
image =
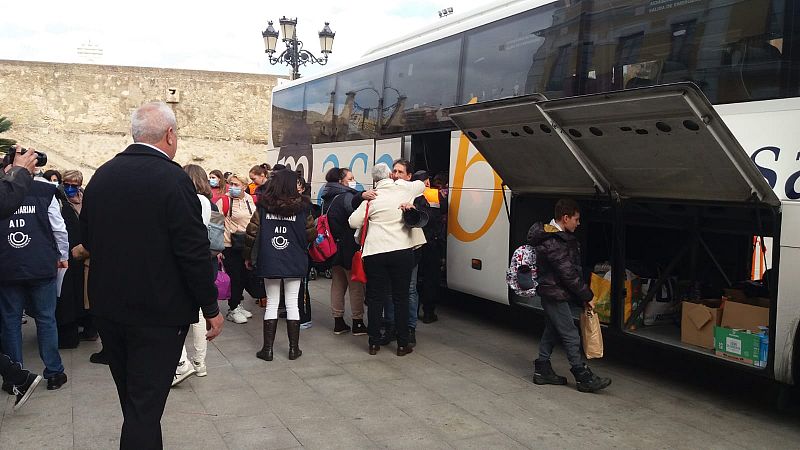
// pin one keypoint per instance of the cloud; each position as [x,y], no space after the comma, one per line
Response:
[196,35]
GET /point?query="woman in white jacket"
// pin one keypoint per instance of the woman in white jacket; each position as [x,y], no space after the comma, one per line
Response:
[388,253]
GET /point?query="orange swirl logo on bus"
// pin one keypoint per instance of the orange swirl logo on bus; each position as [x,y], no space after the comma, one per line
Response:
[462,166]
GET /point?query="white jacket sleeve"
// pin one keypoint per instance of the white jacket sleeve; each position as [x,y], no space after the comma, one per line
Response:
[417,188]
[59,229]
[356,219]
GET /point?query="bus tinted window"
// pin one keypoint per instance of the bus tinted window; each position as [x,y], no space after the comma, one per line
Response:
[287,115]
[419,83]
[733,50]
[358,95]
[500,58]
[319,109]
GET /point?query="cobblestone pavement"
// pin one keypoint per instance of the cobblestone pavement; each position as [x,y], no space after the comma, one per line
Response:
[467,385]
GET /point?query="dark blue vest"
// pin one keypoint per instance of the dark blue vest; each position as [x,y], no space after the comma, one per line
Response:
[283,249]
[28,250]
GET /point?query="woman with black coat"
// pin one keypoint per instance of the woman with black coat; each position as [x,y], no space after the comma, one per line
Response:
[70,311]
[277,250]
[339,199]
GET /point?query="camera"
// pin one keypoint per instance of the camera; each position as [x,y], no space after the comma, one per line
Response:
[41,157]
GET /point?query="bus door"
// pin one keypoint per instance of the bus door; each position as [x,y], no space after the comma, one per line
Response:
[658,170]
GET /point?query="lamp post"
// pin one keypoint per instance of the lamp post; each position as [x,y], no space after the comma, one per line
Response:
[295,56]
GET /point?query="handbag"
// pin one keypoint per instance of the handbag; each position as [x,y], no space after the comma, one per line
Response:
[223,283]
[357,272]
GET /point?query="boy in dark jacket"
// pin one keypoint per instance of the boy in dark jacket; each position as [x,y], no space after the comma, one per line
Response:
[561,283]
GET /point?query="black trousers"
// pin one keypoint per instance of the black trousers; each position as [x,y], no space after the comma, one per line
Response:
[234,266]
[431,271]
[142,361]
[388,276]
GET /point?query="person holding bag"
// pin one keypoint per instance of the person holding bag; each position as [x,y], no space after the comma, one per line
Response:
[387,253]
[277,251]
[240,209]
[562,285]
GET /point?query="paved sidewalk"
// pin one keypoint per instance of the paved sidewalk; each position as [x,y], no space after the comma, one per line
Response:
[467,385]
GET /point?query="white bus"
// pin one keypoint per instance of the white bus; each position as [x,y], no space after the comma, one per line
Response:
[577,98]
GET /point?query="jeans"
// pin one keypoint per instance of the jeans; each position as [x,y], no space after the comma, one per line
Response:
[39,298]
[413,299]
[388,277]
[559,326]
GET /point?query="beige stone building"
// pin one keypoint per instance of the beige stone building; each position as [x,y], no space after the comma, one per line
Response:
[80,114]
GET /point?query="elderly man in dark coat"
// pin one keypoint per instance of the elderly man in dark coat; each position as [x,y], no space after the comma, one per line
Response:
[142,225]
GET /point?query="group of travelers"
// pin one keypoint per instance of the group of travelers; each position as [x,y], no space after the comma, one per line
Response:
[64,258]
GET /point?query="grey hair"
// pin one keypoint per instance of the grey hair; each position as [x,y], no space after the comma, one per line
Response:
[380,172]
[151,121]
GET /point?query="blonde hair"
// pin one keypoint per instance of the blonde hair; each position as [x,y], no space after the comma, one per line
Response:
[244,180]
[72,175]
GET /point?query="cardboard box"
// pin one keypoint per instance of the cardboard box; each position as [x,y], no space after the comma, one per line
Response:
[698,322]
[741,345]
[744,317]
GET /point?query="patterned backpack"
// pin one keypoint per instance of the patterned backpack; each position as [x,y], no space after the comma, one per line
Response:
[521,273]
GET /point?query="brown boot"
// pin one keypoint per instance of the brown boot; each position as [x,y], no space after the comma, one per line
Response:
[270,326]
[293,331]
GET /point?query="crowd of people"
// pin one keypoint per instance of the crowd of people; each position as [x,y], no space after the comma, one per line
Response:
[62,275]
[128,259]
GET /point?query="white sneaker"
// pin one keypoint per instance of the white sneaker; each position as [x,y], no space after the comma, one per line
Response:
[247,314]
[305,325]
[236,317]
[182,372]
[200,368]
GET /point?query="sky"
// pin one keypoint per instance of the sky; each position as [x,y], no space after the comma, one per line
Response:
[205,35]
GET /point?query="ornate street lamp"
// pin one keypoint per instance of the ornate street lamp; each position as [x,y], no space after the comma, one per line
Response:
[295,56]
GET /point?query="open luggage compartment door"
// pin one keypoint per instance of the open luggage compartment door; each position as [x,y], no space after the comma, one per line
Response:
[662,142]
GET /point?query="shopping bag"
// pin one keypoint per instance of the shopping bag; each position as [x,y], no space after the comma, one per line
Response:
[601,288]
[591,334]
[223,283]
[357,272]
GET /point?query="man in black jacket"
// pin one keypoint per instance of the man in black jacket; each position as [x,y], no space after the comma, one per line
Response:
[142,225]
[561,283]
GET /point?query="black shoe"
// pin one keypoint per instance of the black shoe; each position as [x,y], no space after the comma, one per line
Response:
[429,317]
[403,351]
[374,349]
[99,358]
[586,381]
[8,387]
[412,337]
[339,326]
[329,274]
[24,390]
[312,274]
[359,329]
[543,374]
[56,381]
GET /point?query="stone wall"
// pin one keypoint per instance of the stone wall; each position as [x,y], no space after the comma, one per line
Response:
[80,114]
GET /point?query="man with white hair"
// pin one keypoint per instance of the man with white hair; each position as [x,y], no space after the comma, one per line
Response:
[150,273]
[388,254]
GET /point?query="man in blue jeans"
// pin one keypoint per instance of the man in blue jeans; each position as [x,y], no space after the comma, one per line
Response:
[33,245]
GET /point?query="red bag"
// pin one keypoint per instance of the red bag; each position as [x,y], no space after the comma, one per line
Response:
[324,247]
[357,272]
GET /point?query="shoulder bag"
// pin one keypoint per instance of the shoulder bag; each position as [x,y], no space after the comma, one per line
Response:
[357,272]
